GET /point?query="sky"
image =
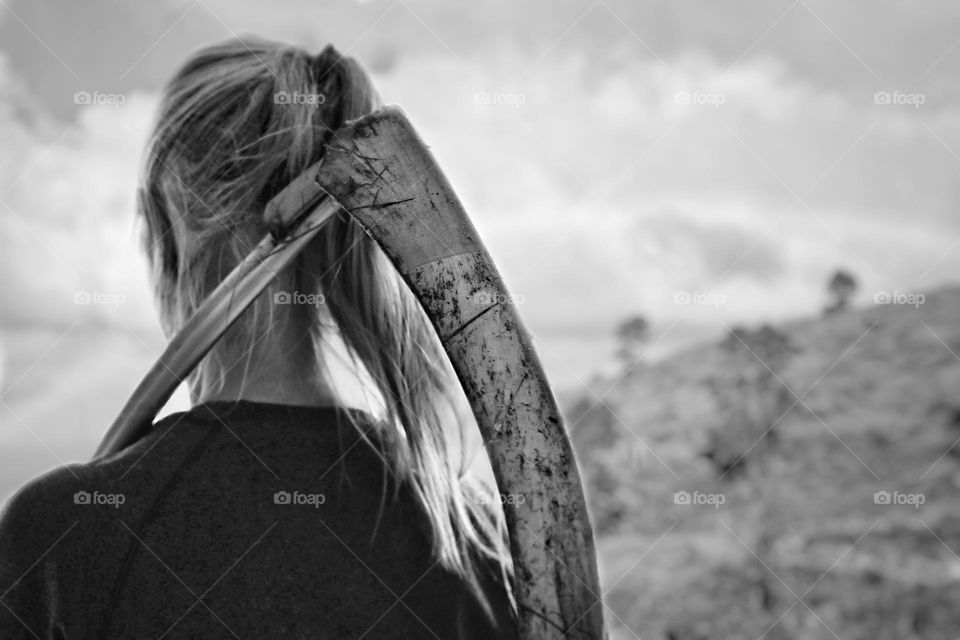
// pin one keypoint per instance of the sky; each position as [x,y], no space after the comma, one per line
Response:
[703,164]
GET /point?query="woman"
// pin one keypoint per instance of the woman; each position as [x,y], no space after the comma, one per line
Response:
[272,508]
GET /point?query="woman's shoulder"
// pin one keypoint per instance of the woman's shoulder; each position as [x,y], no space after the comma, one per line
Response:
[42,503]
[68,494]
[34,523]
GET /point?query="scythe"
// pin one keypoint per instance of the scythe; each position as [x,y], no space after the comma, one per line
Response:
[379,172]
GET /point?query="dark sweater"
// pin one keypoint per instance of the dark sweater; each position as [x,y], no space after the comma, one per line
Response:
[242,520]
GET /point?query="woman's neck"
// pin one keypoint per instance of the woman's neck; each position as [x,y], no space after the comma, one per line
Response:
[278,371]
[276,389]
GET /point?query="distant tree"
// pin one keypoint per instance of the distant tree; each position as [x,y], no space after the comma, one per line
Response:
[751,396]
[597,436]
[841,287]
[752,400]
[631,334]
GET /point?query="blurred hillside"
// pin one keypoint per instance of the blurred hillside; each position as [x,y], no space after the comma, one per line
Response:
[791,482]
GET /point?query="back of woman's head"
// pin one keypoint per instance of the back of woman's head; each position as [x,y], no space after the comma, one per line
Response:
[237,123]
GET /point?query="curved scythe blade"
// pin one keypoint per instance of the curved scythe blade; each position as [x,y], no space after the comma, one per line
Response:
[387,180]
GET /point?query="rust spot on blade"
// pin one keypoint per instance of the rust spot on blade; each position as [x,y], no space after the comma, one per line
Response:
[466,324]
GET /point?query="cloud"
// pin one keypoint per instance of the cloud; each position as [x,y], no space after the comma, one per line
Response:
[602,193]
[66,216]
[608,162]
[713,249]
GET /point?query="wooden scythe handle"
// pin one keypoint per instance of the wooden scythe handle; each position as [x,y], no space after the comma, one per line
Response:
[384,176]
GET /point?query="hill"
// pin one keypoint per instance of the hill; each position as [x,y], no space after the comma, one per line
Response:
[795,482]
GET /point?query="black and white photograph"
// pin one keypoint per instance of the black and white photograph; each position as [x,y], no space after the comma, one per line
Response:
[479,320]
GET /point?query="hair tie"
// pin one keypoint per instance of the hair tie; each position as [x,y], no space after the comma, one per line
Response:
[324,62]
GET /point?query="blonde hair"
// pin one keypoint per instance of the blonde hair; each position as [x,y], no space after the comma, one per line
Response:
[237,123]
